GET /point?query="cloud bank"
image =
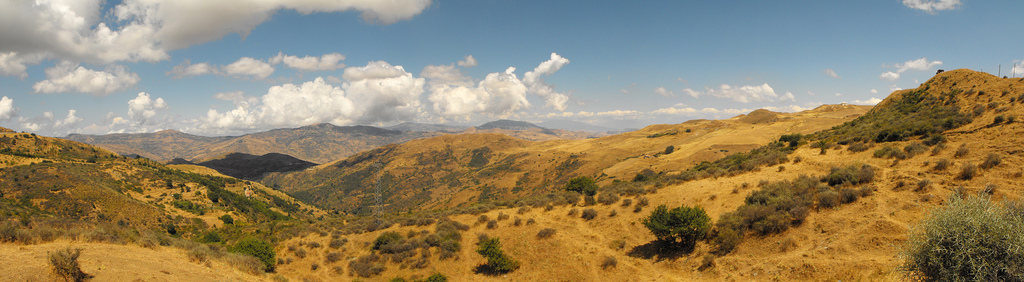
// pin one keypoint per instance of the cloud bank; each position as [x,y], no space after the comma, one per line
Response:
[70,77]
[146,30]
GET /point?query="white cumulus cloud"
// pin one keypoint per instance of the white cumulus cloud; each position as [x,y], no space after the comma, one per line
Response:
[932,6]
[890,76]
[872,101]
[377,92]
[536,85]
[468,62]
[663,92]
[921,64]
[445,74]
[7,110]
[330,61]
[247,66]
[147,30]
[70,77]
[874,91]
[230,96]
[11,64]
[831,73]
[68,121]
[143,108]
[498,94]
[186,69]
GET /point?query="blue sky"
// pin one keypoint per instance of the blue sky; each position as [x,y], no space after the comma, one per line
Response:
[233,67]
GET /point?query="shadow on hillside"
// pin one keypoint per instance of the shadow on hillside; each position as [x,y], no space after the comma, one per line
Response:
[661,250]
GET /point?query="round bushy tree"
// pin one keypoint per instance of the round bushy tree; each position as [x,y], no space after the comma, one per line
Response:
[257,248]
[583,185]
[683,225]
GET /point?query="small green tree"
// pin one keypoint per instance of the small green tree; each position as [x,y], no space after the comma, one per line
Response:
[583,185]
[683,225]
[497,260]
[257,248]
[227,219]
[670,149]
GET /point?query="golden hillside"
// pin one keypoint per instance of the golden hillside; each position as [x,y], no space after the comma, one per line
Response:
[858,240]
[454,170]
[76,181]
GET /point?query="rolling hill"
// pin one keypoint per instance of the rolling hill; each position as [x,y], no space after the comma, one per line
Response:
[55,177]
[919,145]
[456,170]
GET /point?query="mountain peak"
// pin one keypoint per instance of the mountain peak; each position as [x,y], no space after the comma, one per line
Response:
[508,125]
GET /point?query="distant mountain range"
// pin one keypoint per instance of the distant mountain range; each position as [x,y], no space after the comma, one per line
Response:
[318,143]
[576,126]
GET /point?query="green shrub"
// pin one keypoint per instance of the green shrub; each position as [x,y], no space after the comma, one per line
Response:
[889,152]
[683,225]
[609,262]
[792,139]
[546,233]
[583,185]
[337,243]
[332,257]
[858,147]
[589,214]
[727,239]
[387,238]
[211,237]
[850,175]
[962,151]
[257,248]
[828,198]
[970,239]
[967,172]
[64,264]
[640,177]
[607,198]
[942,164]
[492,224]
[849,195]
[497,260]
[992,160]
[914,149]
[934,140]
[999,119]
[436,277]
[227,219]
[670,149]
[923,185]
[366,266]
